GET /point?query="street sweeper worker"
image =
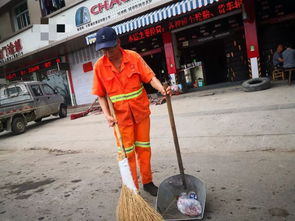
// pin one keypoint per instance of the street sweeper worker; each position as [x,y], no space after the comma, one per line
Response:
[120,74]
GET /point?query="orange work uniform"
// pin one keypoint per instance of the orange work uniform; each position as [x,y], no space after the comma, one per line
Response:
[131,104]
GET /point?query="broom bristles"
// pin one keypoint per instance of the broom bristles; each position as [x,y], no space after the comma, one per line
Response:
[132,207]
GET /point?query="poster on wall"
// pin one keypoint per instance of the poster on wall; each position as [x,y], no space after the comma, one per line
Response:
[57,79]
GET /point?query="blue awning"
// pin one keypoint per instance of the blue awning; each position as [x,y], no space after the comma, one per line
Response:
[161,14]
[167,12]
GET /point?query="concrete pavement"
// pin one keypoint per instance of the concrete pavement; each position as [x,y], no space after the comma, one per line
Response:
[241,144]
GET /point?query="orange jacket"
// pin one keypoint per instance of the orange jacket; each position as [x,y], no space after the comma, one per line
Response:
[125,88]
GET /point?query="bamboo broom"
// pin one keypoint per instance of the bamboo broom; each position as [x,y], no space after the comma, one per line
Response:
[131,206]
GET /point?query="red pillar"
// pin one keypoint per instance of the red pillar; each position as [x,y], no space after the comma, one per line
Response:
[169,54]
[251,36]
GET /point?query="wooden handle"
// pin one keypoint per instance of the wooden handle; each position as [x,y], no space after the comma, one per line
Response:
[117,130]
[175,137]
[90,108]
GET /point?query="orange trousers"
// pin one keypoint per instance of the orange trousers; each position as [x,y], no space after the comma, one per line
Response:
[136,141]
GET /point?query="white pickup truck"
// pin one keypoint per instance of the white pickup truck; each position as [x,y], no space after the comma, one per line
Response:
[23,102]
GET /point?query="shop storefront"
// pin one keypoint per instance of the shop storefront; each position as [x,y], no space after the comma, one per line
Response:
[203,46]
[176,39]
[192,43]
[213,51]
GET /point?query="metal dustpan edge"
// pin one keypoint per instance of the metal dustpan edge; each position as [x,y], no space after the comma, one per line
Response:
[171,188]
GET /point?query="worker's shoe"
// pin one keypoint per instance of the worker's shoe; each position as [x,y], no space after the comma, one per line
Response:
[151,188]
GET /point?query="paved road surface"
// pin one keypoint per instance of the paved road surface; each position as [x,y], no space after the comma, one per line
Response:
[241,144]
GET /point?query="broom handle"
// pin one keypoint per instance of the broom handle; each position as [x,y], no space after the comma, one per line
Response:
[89,109]
[175,137]
[117,130]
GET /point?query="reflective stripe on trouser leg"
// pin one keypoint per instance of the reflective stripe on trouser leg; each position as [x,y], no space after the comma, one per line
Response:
[127,134]
[144,161]
[143,150]
[128,150]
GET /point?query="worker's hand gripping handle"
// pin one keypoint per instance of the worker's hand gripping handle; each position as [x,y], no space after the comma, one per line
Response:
[117,130]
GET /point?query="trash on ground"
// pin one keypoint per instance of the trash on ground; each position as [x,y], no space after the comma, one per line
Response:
[158,100]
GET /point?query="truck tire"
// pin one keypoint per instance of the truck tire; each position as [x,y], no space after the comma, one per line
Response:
[256,84]
[63,111]
[38,120]
[18,125]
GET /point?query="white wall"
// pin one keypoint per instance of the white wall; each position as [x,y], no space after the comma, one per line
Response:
[83,81]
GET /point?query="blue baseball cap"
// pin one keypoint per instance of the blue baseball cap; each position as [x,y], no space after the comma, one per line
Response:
[106,37]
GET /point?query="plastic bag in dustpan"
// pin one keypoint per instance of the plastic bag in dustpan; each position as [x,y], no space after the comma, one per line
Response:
[188,206]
